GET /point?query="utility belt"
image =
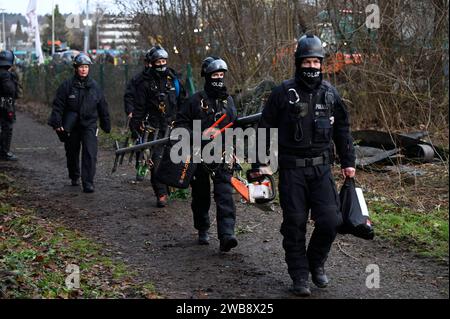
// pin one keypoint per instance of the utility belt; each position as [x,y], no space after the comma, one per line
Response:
[294,162]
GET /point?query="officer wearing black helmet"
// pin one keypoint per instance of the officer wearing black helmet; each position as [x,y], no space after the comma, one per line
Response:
[208,106]
[9,89]
[78,104]
[153,97]
[309,115]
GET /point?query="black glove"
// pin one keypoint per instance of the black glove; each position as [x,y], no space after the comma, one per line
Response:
[62,135]
[106,127]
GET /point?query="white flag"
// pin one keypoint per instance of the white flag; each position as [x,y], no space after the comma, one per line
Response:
[33,21]
[31,11]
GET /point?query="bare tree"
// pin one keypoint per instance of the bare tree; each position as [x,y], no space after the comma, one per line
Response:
[401,81]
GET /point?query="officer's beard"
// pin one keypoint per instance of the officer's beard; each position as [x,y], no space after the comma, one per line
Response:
[308,78]
[216,88]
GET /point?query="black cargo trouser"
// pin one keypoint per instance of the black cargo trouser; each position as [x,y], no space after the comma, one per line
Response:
[84,139]
[159,188]
[6,127]
[303,189]
[223,196]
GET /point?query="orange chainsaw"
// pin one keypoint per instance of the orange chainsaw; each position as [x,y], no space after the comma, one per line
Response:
[259,188]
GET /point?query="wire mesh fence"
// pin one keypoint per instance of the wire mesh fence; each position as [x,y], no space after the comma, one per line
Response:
[41,82]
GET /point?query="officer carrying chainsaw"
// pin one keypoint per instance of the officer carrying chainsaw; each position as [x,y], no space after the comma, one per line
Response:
[208,106]
[152,99]
[309,115]
[9,89]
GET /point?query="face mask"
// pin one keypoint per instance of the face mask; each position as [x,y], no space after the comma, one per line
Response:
[216,88]
[217,83]
[308,77]
[160,68]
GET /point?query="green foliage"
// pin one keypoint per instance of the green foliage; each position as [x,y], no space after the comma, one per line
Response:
[425,233]
[36,252]
[109,140]
[20,35]
[179,194]
[60,28]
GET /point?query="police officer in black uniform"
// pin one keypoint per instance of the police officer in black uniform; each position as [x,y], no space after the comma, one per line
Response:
[208,106]
[309,115]
[134,97]
[9,89]
[78,104]
[153,97]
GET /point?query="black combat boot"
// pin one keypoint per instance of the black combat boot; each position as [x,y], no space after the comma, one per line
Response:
[162,201]
[227,242]
[8,157]
[203,237]
[319,278]
[88,188]
[300,287]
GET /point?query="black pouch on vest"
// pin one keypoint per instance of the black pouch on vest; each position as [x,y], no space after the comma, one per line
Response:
[177,175]
[322,130]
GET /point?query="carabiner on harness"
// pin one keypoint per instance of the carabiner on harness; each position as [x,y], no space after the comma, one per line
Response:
[202,105]
[300,109]
[162,107]
[296,96]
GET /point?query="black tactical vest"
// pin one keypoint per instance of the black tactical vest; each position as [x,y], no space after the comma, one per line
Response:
[211,110]
[163,100]
[306,123]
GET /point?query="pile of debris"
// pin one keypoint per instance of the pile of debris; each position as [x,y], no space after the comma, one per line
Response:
[375,149]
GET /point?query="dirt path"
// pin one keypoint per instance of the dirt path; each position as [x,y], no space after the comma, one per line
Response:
[161,243]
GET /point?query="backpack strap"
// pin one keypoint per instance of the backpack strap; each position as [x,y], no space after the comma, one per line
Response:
[204,103]
[290,89]
[288,84]
[176,83]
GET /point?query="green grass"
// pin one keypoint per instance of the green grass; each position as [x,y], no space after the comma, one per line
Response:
[424,233]
[35,254]
[108,140]
[179,194]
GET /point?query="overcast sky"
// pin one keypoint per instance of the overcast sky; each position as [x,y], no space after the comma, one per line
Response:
[45,6]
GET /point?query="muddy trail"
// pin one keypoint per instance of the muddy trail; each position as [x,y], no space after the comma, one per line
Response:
[160,244]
